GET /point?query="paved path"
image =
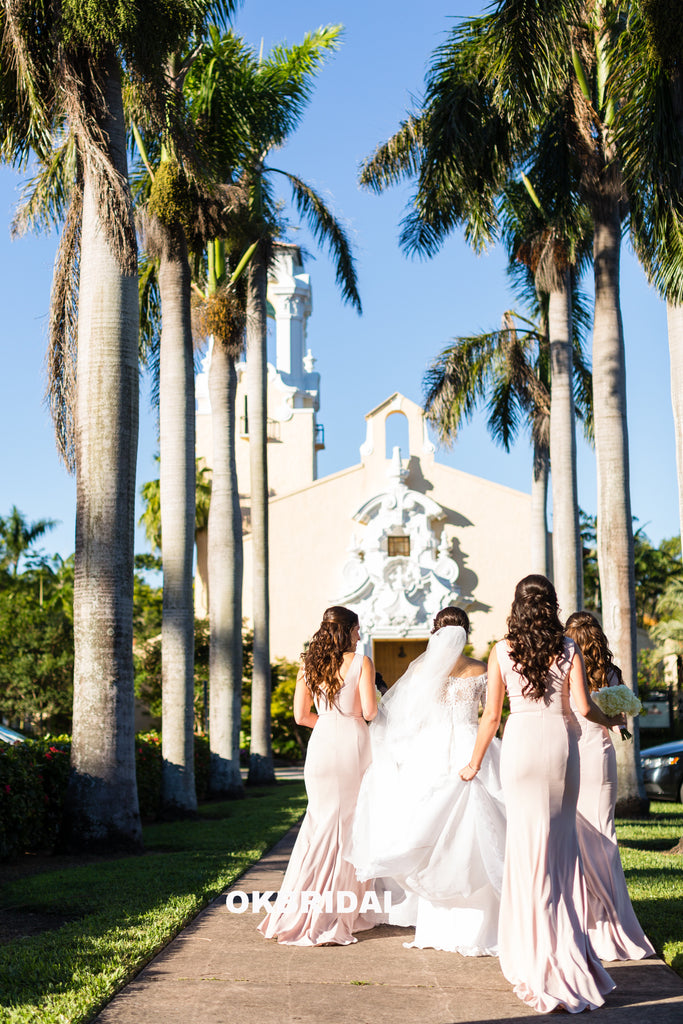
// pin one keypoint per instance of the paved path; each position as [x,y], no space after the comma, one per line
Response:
[220,970]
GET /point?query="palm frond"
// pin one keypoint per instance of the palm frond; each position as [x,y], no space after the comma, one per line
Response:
[60,395]
[398,158]
[326,229]
[46,197]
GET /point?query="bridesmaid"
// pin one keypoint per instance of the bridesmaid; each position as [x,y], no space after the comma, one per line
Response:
[341,683]
[612,924]
[544,949]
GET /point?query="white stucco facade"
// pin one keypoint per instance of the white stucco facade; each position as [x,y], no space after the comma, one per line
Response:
[396,536]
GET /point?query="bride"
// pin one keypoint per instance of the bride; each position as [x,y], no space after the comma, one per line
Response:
[418,827]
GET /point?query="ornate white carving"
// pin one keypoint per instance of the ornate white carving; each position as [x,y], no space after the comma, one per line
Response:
[398,595]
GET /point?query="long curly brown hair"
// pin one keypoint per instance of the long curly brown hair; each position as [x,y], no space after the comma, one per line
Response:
[325,654]
[535,634]
[585,629]
[451,616]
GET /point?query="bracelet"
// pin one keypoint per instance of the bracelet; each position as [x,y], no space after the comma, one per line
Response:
[475,770]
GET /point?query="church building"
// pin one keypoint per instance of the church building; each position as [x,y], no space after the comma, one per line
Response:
[396,537]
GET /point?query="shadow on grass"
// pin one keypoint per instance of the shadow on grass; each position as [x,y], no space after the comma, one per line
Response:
[129,908]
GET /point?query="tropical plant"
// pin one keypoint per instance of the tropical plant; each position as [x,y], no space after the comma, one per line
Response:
[36,649]
[508,370]
[493,90]
[265,97]
[221,318]
[17,537]
[547,236]
[561,56]
[62,68]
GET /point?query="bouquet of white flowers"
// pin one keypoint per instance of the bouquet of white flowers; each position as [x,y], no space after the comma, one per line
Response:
[614,700]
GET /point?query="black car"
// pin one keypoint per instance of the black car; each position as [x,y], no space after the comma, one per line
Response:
[663,771]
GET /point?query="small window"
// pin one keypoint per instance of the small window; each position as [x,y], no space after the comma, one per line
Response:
[398,546]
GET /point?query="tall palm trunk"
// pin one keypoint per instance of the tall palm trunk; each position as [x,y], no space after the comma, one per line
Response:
[615,529]
[225,583]
[539,511]
[177,498]
[102,802]
[567,554]
[674,315]
[675,326]
[261,758]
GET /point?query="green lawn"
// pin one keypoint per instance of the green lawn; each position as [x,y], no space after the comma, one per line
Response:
[112,916]
[655,878]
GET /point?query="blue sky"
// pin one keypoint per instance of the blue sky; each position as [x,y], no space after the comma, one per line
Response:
[411,308]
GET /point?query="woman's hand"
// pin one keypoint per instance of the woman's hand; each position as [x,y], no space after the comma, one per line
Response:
[617,722]
[468,773]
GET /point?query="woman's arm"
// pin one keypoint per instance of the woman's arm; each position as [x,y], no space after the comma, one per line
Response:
[578,686]
[367,691]
[489,721]
[303,698]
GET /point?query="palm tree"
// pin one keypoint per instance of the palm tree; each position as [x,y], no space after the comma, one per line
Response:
[561,55]
[649,72]
[492,89]
[508,370]
[17,536]
[551,238]
[267,97]
[66,64]
[222,319]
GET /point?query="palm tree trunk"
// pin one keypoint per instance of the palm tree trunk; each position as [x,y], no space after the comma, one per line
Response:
[261,757]
[615,527]
[567,553]
[102,803]
[539,512]
[225,584]
[675,326]
[177,499]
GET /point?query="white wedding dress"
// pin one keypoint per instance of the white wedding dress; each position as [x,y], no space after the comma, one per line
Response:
[419,828]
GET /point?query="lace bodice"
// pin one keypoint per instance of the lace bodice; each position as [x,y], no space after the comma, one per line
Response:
[463,695]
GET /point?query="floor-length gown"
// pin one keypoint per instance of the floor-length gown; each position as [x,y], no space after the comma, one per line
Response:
[612,924]
[466,924]
[338,754]
[440,839]
[545,951]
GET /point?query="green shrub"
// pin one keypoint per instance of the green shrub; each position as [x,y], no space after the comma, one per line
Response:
[34,777]
[148,763]
[32,785]
[202,764]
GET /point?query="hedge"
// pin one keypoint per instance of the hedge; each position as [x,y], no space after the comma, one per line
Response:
[33,781]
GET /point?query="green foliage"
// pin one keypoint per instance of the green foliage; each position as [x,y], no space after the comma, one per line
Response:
[36,648]
[289,740]
[657,570]
[650,672]
[654,877]
[148,764]
[171,200]
[108,919]
[18,536]
[664,31]
[654,568]
[33,777]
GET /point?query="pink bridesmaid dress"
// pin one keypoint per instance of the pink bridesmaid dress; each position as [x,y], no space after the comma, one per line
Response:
[545,951]
[613,927]
[338,754]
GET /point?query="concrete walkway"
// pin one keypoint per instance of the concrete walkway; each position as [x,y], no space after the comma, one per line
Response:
[220,970]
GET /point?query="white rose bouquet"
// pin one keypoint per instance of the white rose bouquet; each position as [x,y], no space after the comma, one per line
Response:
[615,700]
